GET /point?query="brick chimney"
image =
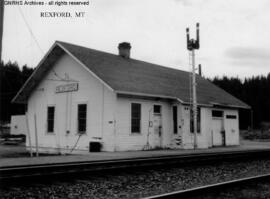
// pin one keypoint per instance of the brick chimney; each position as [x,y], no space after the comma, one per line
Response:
[124,50]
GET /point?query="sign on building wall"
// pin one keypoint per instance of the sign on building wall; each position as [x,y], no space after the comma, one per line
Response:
[67,88]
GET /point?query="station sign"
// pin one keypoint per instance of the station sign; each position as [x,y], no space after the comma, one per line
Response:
[67,88]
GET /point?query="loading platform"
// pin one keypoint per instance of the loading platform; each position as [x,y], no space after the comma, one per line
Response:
[114,156]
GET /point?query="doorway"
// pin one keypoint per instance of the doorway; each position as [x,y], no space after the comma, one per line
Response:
[218,134]
[157,126]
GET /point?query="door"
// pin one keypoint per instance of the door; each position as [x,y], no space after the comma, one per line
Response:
[217,132]
[157,125]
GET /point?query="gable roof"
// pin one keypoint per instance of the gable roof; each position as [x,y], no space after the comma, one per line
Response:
[133,77]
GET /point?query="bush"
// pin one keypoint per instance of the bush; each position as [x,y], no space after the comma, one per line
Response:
[256,134]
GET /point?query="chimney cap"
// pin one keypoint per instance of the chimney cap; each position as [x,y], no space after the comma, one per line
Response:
[125,45]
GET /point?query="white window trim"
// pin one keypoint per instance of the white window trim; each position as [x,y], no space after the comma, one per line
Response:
[54,120]
[160,109]
[130,117]
[177,118]
[77,120]
[223,114]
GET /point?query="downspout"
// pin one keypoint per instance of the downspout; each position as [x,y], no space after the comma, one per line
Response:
[102,114]
[36,134]
[114,122]
[66,121]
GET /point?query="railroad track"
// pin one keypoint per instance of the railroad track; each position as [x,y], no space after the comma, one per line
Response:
[198,191]
[14,173]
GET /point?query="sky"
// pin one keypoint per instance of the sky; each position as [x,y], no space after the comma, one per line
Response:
[234,33]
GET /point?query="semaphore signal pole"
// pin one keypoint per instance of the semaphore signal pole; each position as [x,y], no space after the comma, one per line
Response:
[193,45]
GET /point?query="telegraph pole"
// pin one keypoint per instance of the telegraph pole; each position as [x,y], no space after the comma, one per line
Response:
[193,45]
[1,25]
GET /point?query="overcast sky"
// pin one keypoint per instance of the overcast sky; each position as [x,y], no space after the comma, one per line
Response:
[234,33]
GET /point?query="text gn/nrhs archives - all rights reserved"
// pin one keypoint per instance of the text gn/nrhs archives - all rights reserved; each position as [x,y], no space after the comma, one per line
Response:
[54,14]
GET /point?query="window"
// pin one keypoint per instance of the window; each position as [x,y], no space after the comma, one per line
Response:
[231,116]
[175,119]
[216,113]
[157,109]
[198,120]
[82,109]
[50,119]
[135,118]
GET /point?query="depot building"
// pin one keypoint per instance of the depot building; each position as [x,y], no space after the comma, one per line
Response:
[78,97]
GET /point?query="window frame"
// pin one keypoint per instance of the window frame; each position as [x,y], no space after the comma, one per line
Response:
[231,116]
[140,119]
[175,119]
[78,120]
[160,109]
[215,110]
[48,131]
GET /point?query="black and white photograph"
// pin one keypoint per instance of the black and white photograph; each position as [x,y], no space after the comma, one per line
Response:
[153,99]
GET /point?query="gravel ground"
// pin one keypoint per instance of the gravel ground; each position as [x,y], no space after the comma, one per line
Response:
[137,184]
[258,191]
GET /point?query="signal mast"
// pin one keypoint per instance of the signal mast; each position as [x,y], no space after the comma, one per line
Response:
[193,45]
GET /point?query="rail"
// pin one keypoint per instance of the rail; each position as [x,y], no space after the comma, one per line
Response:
[209,188]
[27,171]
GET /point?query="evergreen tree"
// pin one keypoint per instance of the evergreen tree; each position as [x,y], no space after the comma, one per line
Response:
[11,80]
[254,91]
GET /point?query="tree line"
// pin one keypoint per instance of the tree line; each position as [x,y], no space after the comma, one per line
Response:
[254,91]
[12,77]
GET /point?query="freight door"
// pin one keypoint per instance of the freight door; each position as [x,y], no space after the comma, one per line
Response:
[157,124]
[217,132]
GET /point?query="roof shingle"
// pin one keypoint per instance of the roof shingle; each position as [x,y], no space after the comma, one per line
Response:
[130,75]
[134,76]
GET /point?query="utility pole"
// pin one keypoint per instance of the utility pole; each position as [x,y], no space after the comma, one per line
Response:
[1,26]
[193,45]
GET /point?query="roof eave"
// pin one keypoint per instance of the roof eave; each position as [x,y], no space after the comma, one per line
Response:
[181,101]
[149,95]
[22,89]
[84,66]
[231,106]
[14,100]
